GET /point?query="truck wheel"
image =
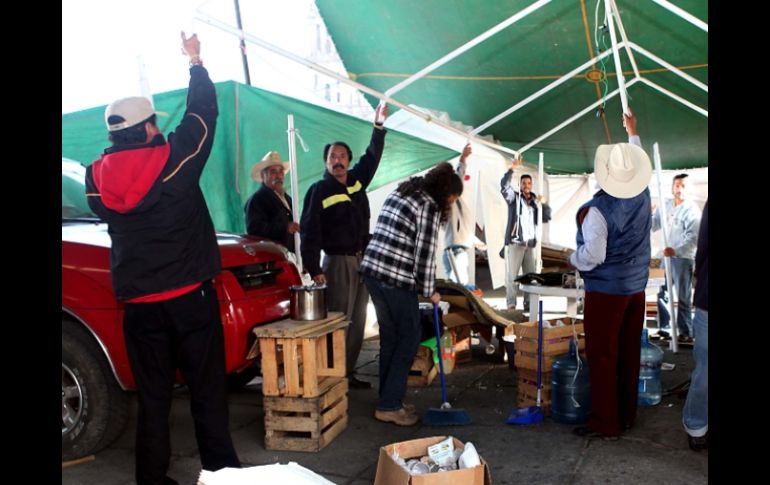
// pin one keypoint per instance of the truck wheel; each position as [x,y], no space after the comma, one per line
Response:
[94,408]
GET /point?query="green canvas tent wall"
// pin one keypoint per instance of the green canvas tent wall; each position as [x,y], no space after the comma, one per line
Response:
[252,122]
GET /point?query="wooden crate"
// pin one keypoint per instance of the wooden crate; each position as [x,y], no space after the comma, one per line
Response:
[526,384]
[555,341]
[296,358]
[306,424]
[462,339]
[423,369]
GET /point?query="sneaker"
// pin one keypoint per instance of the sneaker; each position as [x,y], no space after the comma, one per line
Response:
[685,339]
[698,443]
[356,383]
[400,417]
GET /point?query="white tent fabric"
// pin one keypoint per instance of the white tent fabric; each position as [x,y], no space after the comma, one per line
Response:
[569,192]
[486,166]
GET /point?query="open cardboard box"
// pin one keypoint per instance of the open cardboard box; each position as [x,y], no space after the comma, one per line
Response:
[391,473]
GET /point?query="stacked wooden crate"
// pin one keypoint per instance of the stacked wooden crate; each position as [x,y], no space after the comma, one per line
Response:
[304,383]
[423,369]
[556,341]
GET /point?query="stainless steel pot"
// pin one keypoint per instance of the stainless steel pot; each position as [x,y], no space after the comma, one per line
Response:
[308,302]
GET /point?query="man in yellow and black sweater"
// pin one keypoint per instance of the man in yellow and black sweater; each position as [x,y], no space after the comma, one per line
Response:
[335,219]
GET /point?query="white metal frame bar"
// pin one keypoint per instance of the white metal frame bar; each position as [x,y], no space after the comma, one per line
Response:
[539,192]
[664,230]
[626,44]
[684,14]
[608,7]
[540,92]
[465,47]
[675,96]
[669,66]
[574,117]
[291,132]
[366,89]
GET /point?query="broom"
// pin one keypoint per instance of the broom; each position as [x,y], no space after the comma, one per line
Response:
[444,415]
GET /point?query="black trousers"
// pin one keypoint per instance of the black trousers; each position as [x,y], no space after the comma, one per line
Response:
[184,333]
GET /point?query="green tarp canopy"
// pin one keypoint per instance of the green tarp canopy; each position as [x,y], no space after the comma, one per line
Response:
[383,42]
[252,122]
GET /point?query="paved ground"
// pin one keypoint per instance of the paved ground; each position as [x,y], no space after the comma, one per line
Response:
[655,451]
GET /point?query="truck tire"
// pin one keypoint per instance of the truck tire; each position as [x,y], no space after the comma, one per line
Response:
[94,407]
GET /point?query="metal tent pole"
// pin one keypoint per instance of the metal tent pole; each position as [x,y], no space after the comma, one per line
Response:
[465,47]
[623,36]
[668,93]
[684,14]
[664,229]
[670,67]
[541,92]
[294,187]
[572,118]
[616,55]
[539,246]
[316,67]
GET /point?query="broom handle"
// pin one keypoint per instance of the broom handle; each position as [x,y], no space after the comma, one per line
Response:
[440,355]
[539,350]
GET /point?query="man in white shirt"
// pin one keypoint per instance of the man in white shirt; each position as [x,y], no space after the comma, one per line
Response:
[683,223]
[521,231]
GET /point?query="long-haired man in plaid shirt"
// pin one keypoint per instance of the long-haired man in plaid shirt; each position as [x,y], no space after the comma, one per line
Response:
[399,264]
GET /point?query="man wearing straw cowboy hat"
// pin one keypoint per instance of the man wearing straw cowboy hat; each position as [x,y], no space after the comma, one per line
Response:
[613,256]
[268,210]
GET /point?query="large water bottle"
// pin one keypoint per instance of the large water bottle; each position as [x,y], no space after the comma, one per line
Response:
[650,388]
[570,388]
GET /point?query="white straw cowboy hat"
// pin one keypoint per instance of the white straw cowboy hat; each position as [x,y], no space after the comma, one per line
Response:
[622,170]
[270,159]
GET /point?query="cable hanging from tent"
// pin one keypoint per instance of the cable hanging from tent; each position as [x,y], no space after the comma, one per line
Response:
[600,33]
[600,40]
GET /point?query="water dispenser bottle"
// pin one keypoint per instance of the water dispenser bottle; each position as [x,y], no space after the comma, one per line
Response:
[570,388]
[650,388]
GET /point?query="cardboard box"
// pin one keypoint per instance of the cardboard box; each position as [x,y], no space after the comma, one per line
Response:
[391,473]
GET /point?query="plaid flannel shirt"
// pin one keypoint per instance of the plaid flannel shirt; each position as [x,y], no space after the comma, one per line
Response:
[402,250]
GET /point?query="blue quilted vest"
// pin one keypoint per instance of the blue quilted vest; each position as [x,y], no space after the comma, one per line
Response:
[626,266]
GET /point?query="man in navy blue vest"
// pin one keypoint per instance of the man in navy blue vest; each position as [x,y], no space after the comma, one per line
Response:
[613,256]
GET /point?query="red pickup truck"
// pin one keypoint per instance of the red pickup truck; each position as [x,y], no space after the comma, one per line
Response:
[253,289]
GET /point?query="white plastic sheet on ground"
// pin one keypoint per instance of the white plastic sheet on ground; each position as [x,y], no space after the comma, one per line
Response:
[291,473]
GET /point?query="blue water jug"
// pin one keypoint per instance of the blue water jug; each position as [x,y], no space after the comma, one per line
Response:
[570,388]
[650,388]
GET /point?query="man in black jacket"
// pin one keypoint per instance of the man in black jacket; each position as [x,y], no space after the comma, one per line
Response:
[164,255]
[268,210]
[335,219]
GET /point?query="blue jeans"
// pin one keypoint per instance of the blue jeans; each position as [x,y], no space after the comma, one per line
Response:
[696,409]
[518,257]
[681,277]
[398,316]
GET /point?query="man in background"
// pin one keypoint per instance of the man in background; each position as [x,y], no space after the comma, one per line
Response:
[683,221]
[268,210]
